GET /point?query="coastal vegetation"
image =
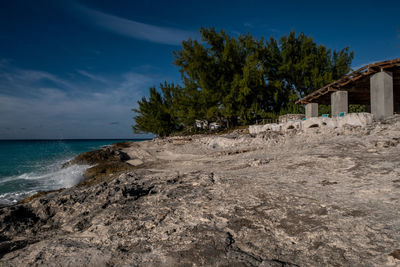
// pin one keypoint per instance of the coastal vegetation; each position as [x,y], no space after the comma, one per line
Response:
[238,81]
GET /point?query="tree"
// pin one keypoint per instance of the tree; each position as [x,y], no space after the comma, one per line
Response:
[239,80]
[306,66]
[224,74]
[157,115]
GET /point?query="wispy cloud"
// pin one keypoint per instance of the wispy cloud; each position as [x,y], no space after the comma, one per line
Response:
[134,29]
[16,81]
[4,62]
[86,109]
[91,76]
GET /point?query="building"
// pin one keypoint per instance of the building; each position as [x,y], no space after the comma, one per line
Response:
[202,124]
[377,86]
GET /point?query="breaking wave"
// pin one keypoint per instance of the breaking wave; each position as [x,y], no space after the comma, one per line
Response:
[53,177]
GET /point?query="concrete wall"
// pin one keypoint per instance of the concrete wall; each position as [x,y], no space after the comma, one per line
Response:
[290,117]
[322,123]
[382,94]
[311,110]
[339,103]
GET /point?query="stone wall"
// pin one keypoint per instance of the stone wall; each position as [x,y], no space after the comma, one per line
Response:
[352,119]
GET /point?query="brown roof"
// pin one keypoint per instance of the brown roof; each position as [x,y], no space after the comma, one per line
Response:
[357,81]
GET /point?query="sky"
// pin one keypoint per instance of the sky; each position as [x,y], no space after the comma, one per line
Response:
[74,69]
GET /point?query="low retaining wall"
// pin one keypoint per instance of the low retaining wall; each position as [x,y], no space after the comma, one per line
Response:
[291,117]
[352,119]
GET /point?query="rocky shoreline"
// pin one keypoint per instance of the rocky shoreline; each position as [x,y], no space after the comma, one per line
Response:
[296,198]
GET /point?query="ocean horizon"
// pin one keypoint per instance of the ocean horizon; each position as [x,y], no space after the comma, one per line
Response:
[28,166]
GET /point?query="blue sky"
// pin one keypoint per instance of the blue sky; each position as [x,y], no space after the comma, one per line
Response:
[75,69]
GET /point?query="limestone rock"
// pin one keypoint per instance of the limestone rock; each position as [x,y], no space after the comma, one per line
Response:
[293,198]
[135,162]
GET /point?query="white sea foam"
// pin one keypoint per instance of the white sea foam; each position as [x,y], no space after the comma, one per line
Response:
[67,177]
[13,197]
[54,177]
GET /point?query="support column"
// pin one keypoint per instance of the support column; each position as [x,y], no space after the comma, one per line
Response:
[339,103]
[381,85]
[311,110]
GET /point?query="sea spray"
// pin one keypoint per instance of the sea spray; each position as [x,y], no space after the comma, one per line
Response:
[27,167]
[27,184]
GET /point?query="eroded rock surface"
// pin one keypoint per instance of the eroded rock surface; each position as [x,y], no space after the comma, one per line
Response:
[295,199]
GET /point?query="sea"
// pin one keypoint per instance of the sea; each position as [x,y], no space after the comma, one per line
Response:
[31,166]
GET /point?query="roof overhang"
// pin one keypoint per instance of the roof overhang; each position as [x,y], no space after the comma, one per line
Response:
[350,80]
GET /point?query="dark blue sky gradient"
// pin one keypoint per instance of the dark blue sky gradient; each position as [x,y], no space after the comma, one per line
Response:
[74,69]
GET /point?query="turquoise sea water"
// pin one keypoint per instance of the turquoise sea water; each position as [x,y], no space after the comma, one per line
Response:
[27,167]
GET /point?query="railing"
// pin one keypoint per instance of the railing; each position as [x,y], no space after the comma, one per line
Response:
[267,121]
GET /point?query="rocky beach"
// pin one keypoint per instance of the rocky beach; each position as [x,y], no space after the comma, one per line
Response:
[315,197]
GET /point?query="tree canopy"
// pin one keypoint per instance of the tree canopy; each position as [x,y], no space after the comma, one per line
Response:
[238,80]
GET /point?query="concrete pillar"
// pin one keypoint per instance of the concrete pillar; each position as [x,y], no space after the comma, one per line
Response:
[339,103]
[311,110]
[381,94]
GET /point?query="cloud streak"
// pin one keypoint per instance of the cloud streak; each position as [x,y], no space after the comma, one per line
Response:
[86,109]
[134,29]
[92,76]
[16,81]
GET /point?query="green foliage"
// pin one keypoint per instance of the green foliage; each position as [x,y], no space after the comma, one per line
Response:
[355,108]
[157,115]
[291,107]
[238,81]
[307,66]
[324,109]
